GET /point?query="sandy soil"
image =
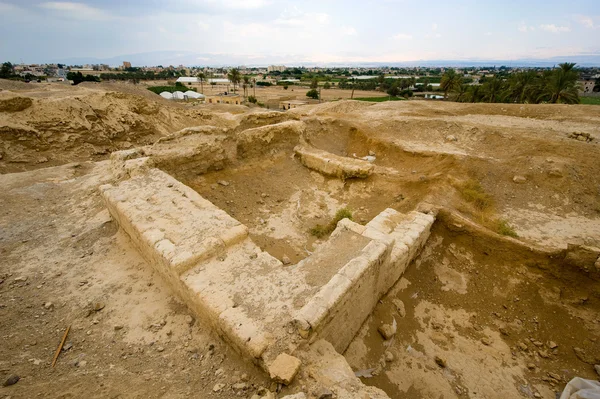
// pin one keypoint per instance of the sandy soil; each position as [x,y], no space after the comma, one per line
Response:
[503,326]
[491,313]
[62,260]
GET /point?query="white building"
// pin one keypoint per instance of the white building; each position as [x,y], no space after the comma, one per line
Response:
[273,68]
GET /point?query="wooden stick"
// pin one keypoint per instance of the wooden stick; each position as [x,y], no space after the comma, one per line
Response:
[62,343]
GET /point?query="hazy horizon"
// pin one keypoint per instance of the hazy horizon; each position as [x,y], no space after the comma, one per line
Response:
[330,32]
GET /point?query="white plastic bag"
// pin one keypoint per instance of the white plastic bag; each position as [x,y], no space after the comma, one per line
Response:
[578,388]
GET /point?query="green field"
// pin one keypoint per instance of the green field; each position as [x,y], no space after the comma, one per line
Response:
[379,99]
[590,100]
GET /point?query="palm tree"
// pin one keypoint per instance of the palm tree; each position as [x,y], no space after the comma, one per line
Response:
[246,82]
[353,83]
[493,90]
[461,93]
[234,77]
[450,81]
[522,86]
[202,78]
[561,85]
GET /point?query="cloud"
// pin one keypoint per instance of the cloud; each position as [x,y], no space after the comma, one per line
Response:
[402,36]
[241,4]
[586,21]
[75,10]
[349,30]
[488,33]
[203,25]
[295,17]
[554,29]
[434,27]
[524,28]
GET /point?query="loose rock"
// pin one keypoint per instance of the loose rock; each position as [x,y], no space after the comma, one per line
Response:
[218,387]
[441,362]
[389,356]
[400,307]
[223,183]
[387,331]
[284,368]
[12,380]
[519,179]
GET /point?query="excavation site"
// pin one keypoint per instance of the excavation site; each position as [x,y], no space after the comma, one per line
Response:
[410,249]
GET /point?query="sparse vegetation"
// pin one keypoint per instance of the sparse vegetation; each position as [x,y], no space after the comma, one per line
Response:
[472,192]
[312,93]
[252,99]
[321,231]
[502,227]
[590,100]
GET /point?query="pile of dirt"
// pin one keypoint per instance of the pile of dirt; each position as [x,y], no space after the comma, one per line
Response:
[54,124]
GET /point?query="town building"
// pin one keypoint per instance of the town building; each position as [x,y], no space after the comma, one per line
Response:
[276,68]
[224,98]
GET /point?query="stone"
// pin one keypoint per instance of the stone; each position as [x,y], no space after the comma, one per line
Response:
[21,279]
[299,395]
[12,380]
[98,306]
[522,346]
[400,307]
[555,173]
[189,320]
[552,345]
[240,386]
[486,341]
[543,354]
[160,349]
[284,368]
[597,368]
[441,362]
[324,393]
[223,183]
[118,327]
[519,179]
[389,356]
[48,305]
[218,387]
[531,366]
[286,260]
[67,346]
[372,153]
[387,331]
[81,363]
[451,137]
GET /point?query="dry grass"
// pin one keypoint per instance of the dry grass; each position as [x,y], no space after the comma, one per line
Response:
[321,231]
[502,227]
[472,192]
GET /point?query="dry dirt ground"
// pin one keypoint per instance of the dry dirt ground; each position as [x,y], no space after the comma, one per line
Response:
[503,322]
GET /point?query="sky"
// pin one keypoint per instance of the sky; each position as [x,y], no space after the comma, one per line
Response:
[261,32]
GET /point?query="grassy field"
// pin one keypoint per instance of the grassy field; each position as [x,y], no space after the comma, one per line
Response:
[590,100]
[379,99]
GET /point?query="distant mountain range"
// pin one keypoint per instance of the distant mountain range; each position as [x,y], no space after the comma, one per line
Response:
[166,58]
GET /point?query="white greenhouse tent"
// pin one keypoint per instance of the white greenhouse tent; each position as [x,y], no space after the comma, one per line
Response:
[178,95]
[167,95]
[193,94]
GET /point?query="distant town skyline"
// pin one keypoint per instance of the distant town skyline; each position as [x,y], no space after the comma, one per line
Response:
[326,32]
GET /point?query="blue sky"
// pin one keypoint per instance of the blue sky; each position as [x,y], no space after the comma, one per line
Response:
[262,31]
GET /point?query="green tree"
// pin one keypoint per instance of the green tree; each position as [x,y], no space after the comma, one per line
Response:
[7,70]
[246,83]
[312,93]
[522,86]
[493,89]
[234,77]
[394,90]
[450,81]
[202,78]
[561,85]
[314,83]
